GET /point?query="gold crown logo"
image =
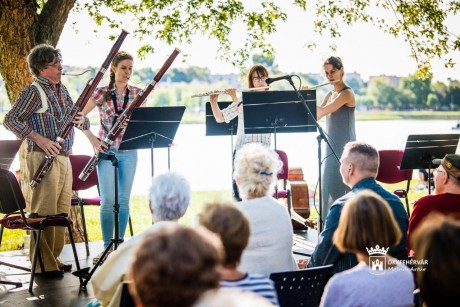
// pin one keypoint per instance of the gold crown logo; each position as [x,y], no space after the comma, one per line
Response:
[377,250]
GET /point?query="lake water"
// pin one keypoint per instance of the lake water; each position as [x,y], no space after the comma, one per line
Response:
[206,160]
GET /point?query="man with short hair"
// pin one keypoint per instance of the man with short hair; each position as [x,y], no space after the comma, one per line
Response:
[359,167]
[169,199]
[446,200]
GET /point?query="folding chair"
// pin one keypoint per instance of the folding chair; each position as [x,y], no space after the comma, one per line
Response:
[78,163]
[12,204]
[389,172]
[302,287]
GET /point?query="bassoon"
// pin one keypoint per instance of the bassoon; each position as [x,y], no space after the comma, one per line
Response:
[118,127]
[67,124]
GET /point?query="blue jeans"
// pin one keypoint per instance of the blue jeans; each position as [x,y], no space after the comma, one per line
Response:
[127,161]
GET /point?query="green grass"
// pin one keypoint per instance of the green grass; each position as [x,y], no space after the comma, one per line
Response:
[141,216]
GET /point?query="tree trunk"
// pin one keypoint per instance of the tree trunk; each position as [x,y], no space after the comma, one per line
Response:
[24,26]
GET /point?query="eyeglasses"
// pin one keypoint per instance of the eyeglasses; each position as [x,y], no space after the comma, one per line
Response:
[438,170]
[56,64]
[259,79]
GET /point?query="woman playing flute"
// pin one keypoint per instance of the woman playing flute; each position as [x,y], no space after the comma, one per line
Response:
[339,108]
[256,79]
[111,100]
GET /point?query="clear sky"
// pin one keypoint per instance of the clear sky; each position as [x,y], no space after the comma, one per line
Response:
[363,49]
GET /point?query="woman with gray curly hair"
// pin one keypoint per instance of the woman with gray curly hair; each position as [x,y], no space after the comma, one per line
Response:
[270,242]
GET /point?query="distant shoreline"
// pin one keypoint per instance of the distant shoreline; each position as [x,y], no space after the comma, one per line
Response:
[360,116]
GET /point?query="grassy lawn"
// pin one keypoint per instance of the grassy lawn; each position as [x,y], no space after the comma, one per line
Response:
[141,216]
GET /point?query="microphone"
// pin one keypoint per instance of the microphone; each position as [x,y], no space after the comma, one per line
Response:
[436,161]
[271,80]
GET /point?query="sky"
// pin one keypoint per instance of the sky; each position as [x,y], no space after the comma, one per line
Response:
[363,48]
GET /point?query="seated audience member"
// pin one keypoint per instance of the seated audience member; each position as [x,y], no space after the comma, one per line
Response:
[270,242]
[231,297]
[230,223]
[437,242]
[446,199]
[174,266]
[366,223]
[169,199]
[359,166]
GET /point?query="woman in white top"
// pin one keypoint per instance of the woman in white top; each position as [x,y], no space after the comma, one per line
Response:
[256,79]
[368,228]
[270,242]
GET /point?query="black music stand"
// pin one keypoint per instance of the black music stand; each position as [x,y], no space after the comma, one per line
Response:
[278,112]
[8,150]
[213,128]
[423,148]
[152,127]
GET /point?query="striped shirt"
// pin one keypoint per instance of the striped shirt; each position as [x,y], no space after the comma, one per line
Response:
[258,284]
[230,113]
[107,110]
[22,119]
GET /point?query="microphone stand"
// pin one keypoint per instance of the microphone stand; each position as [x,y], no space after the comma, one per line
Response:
[320,137]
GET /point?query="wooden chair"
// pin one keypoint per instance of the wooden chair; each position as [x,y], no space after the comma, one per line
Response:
[303,287]
[12,204]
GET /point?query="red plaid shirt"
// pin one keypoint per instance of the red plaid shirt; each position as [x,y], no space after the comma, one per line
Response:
[107,110]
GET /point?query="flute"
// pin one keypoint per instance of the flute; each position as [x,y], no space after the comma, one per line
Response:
[118,127]
[323,84]
[67,124]
[223,91]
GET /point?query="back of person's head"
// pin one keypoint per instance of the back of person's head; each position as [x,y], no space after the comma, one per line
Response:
[169,196]
[259,70]
[366,221]
[174,265]
[41,56]
[231,224]
[436,243]
[363,156]
[232,297]
[256,170]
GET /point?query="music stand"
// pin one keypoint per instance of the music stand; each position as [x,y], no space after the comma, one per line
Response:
[423,148]
[278,112]
[213,128]
[152,127]
[8,151]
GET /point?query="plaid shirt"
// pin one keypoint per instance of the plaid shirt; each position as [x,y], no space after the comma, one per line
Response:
[230,113]
[107,110]
[22,119]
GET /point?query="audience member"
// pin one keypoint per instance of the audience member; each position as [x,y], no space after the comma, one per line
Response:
[437,242]
[366,223]
[230,223]
[169,199]
[359,166]
[174,266]
[231,297]
[446,200]
[270,242]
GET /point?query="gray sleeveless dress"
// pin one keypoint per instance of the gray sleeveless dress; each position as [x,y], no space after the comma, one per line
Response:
[340,127]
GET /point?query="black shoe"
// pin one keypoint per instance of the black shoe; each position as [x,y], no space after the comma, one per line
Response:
[66,267]
[51,274]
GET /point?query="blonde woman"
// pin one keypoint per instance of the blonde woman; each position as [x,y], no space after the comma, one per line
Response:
[270,243]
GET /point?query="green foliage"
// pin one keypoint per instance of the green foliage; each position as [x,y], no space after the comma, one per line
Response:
[420,22]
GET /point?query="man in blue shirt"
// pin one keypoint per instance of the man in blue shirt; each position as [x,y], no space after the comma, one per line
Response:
[359,167]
